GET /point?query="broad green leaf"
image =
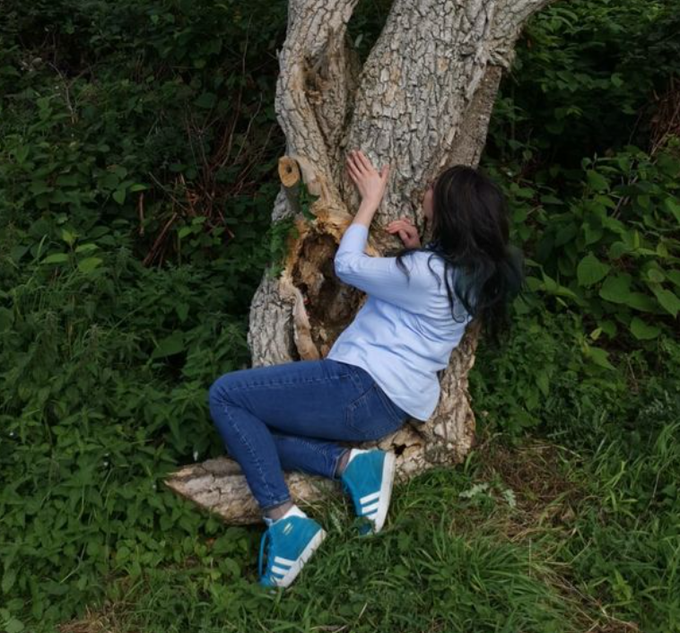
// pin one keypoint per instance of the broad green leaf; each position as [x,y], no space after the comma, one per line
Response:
[86,248]
[674,276]
[614,225]
[6,319]
[8,579]
[88,264]
[637,242]
[641,302]
[68,180]
[56,258]
[643,331]
[591,270]
[182,310]
[119,196]
[616,289]
[68,237]
[110,181]
[533,283]
[550,199]
[170,345]
[184,231]
[39,186]
[608,327]
[14,626]
[599,357]
[592,235]
[207,100]
[655,275]
[606,201]
[597,181]
[618,249]
[644,201]
[17,252]
[668,300]
[617,80]
[673,206]
[549,284]
[21,153]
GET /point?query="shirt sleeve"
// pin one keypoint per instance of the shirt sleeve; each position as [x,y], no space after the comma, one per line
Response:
[380,276]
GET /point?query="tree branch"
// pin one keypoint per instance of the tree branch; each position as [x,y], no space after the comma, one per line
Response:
[317,79]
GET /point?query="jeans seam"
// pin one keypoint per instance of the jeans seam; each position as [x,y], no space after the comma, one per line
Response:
[253,454]
[270,383]
[390,415]
[389,405]
[351,407]
[319,450]
[275,503]
[356,375]
[336,463]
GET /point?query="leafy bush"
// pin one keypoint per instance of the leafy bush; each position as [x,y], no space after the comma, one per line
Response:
[611,253]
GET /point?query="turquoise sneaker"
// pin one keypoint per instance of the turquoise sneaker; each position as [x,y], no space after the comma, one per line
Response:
[368,478]
[292,540]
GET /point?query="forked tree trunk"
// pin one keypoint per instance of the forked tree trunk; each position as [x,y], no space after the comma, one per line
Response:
[421,102]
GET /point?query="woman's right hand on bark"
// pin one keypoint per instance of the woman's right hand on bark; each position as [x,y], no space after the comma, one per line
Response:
[406,231]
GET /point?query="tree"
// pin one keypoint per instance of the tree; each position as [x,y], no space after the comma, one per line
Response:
[421,102]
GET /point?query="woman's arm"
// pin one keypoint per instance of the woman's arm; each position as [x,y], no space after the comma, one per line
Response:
[380,276]
[369,182]
[377,276]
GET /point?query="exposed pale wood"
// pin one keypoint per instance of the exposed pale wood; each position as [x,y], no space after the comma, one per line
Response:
[288,171]
[421,102]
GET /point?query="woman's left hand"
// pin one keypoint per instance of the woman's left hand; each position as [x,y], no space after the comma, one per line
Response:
[369,182]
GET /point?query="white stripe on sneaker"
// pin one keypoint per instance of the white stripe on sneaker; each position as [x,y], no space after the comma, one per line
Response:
[370,508]
[372,497]
[283,561]
[279,570]
[302,559]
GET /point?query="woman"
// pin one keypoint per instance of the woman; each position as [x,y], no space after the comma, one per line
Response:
[381,370]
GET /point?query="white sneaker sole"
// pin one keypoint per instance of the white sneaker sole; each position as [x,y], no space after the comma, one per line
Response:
[292,573]
[378,519]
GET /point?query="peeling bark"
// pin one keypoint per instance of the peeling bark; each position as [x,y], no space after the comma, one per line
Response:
[421,102]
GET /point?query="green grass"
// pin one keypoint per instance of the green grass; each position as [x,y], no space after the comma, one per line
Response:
[531,537]
[422,573]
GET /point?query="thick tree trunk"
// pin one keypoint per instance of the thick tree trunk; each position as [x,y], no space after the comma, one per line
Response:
[421,102]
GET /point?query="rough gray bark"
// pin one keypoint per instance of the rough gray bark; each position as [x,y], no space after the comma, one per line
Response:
[421,102]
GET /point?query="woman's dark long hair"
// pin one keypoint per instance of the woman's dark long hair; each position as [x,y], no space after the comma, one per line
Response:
[470,232]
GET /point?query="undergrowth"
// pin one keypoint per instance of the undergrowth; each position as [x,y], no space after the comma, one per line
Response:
[138,146]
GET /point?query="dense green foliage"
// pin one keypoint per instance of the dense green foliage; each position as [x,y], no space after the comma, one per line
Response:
[137,150]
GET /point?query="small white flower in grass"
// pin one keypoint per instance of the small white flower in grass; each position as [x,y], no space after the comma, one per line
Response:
[195,455]
[474,491]
[509,497]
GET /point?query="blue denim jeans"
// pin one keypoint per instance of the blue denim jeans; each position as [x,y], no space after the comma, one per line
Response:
[291,416]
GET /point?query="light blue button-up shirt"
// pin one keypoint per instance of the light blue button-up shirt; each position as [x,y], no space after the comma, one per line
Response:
[404,333]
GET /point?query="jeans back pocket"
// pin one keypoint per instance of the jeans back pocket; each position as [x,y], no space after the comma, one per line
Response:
[370,415]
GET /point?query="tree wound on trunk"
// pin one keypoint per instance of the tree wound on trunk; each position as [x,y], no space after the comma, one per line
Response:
[329,303]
